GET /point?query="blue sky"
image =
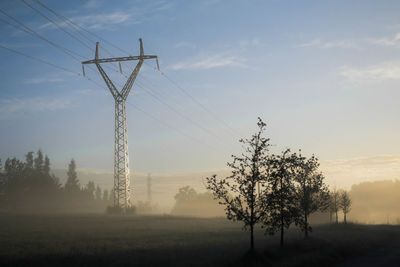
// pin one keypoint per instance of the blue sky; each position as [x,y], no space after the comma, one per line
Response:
[324,75]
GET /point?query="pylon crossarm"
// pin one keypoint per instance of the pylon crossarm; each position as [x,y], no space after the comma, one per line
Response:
[117,59]
[109,83]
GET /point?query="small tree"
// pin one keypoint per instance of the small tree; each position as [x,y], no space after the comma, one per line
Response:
[345,204]
[98,193]
[335,203]
[72,184]
[238,192]
[279,201]
[311,192]
[89,190]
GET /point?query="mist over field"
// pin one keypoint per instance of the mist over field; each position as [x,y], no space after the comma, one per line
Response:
[200,133]
[374,202]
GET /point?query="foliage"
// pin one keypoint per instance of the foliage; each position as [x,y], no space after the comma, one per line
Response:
[72,185]
[279,201]
[312,194]
[334,200]
[188,202]
[30,186]
[238,192]
[345,204]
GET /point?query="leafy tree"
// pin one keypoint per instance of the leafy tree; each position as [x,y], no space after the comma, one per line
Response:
[90,188]
[185,194]
[38,161]
[345,204]
[280,200]
[238,192]
[311,192]
[189,202]
[72,184]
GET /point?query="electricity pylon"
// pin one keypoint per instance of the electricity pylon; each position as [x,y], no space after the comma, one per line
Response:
[122,190]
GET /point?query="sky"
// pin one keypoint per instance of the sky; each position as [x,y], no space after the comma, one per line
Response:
[323,75]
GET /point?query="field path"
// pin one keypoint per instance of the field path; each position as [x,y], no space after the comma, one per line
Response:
[384,257]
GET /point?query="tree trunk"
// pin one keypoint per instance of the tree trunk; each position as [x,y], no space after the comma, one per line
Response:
[282,231]
[330,216]
[305,225]
[251,237]
[337,220]
[345,221]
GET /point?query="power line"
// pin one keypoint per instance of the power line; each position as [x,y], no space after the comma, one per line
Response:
[175,111]
[99,85]
[39,60]
[77,27]
[194,100]
[65,50]
[80,27]
[34,33]
[55,23]
[213,115]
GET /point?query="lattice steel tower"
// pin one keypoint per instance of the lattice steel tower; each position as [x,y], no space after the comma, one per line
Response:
[121,156]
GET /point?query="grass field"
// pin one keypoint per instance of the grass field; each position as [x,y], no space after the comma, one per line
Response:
[101,240]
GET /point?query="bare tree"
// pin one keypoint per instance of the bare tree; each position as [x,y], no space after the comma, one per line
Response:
[311,193]
[345,204]
[335,203]
[238,192]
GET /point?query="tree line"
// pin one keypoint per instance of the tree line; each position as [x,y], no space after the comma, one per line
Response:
[274,190]
[30,186]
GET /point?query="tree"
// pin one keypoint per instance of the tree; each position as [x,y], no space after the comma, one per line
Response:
[335,203]
[72,184]
[311,192]
[279,201]
[29,160]
[237,192]
[38,161]
[105,195]
[89,190]
[345,204]
[98,193]
[46,167]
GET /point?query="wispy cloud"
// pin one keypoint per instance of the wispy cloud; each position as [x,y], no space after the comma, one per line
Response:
[133,14]
[345,172]
[16,106]
[43,80]
[374,73]
[330,44]
[98,21]
[211,61]
[91,4]
[386,41]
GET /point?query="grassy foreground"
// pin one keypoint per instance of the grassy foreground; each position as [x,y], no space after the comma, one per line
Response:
[101,240]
